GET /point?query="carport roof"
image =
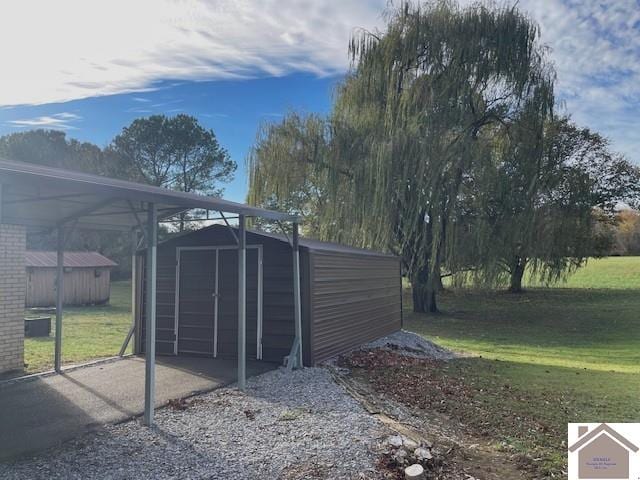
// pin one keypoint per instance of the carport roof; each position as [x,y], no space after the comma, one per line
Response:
[36,195]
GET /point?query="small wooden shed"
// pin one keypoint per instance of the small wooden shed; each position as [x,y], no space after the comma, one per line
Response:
[349,296]
[87,278]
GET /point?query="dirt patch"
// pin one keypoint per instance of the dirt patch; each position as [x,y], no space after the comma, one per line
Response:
[466,426]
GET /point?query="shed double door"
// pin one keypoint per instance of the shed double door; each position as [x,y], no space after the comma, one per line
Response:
[207,312]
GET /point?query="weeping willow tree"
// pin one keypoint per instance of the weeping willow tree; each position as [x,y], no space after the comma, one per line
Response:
[423,108]
[543,205]
[284,173]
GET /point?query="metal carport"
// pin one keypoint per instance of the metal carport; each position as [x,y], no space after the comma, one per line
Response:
[55,199]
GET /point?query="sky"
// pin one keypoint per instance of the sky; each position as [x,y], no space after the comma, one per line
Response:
[91,67]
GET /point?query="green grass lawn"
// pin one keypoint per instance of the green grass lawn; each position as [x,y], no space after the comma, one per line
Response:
[88,332]
[565,354]
[622,273]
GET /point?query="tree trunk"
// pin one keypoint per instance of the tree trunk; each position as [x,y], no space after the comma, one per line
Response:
[438,280]
[424,291]
[517,272]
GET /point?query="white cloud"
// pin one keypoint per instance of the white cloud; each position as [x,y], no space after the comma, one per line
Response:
[60,121]
[72,49]
[595,46]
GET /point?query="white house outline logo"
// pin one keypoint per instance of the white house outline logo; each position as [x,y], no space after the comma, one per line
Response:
[602,453]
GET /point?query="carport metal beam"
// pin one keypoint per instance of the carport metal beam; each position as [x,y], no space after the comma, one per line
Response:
[242,304]
[59,299]
[226,221]
[296,293]
[63,232]
[132,330]
[294,360]
[150,332]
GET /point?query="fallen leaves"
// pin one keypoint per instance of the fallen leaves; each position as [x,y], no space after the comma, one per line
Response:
[486,406]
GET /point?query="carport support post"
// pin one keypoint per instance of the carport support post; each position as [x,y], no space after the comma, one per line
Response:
[242,305]
[297,313]
[134,324]
[59,299]
[135,333]
[150,331]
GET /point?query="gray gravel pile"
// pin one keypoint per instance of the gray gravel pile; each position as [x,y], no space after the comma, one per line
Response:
[411,344]
[286,425]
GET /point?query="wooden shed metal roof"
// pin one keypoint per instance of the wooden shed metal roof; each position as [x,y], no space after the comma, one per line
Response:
[39,259]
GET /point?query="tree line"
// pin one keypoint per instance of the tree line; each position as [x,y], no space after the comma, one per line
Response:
[446,146]
[172,152]
[625,231]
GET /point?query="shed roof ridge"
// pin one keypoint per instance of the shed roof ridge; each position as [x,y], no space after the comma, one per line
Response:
[310,243]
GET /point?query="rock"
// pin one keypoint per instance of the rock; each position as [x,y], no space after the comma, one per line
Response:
[394,440]
[411,345]
[409,444]
[401,456]
[422,454]
[414,472]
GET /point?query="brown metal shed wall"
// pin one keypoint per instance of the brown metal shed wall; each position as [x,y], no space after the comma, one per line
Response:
[165,300]
[277,306]
[82,286]
[354,300]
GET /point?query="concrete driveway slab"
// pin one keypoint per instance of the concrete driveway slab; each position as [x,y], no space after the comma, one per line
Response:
[43,412]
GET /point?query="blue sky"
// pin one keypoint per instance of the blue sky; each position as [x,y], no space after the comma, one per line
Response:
[233,109]
[90,68]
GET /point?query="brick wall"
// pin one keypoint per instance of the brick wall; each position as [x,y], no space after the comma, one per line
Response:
[12,295]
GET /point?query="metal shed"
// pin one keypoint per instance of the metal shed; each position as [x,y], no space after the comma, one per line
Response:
[87,278]
[349,296]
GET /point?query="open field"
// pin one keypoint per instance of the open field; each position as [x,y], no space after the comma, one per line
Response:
[551,355]
[88,332]
[621,273]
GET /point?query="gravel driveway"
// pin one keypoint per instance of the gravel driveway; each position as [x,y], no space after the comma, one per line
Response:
[286,425]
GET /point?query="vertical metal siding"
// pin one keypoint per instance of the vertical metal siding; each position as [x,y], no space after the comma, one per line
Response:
[277,308]
[82,286]
[165,302]
[354,300]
